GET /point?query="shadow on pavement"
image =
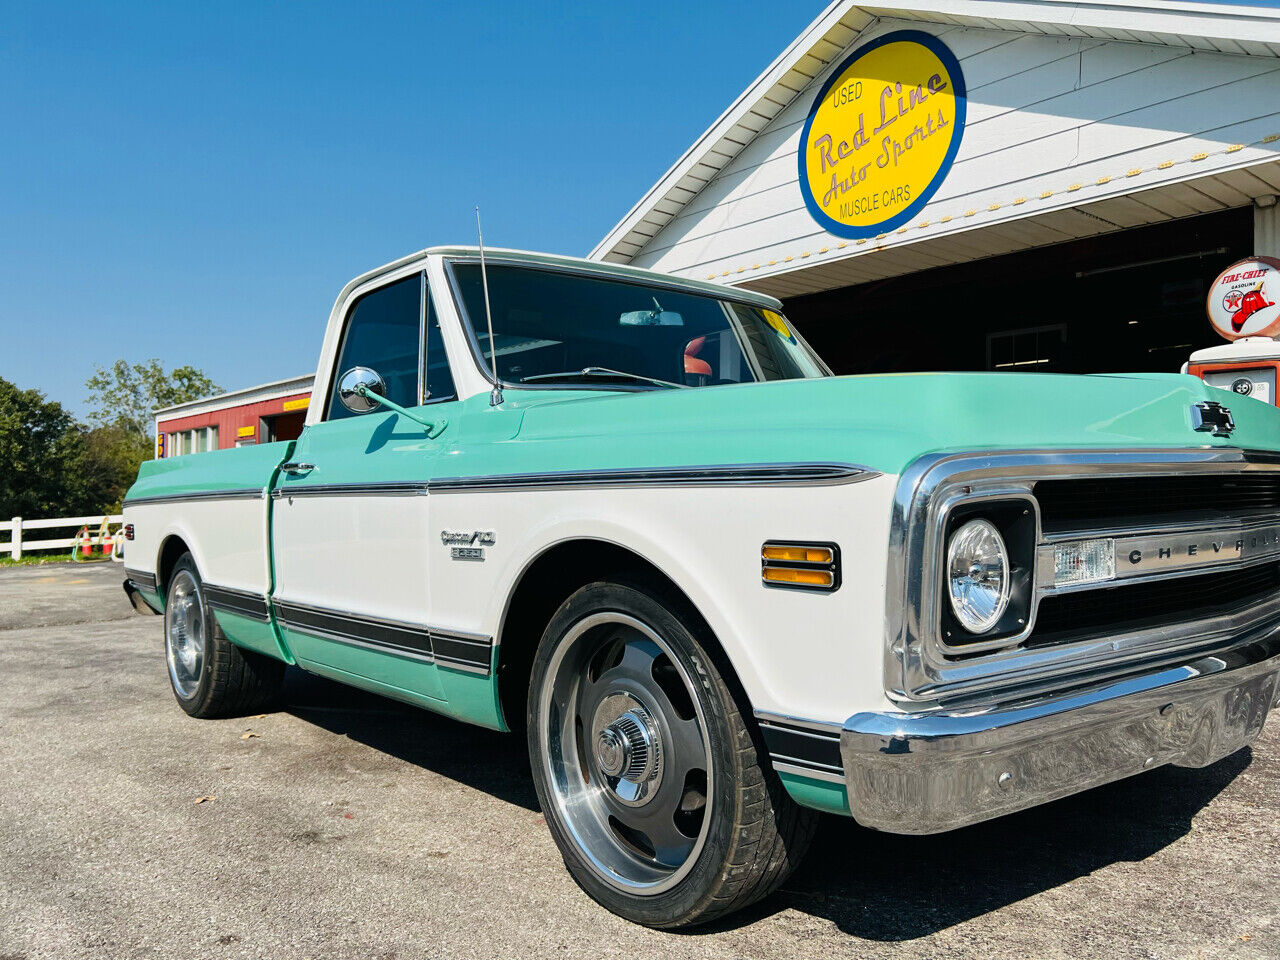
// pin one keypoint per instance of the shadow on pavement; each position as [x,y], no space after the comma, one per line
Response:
[494,763]
[873,885]
[893,888]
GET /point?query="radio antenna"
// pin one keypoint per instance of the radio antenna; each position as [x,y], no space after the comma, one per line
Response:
[495,396]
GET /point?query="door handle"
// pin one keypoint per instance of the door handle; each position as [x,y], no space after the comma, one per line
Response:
[295,467]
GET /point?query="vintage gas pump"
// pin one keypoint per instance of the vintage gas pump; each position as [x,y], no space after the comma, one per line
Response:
[1244,307]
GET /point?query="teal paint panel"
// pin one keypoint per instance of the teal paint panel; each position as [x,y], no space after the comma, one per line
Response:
[817,794]
[153,598]
[474,698]
[409,676]
[252,635]
[373,686]
[238,468]
[883,422]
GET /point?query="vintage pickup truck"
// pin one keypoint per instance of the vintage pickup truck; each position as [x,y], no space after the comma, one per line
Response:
[718,587]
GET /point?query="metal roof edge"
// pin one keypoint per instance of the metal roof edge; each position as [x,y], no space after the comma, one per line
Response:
[276,386]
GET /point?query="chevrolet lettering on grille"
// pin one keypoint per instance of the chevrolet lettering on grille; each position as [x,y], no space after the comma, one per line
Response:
[1136,556]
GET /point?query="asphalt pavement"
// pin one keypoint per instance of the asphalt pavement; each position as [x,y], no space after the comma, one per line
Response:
[348,826]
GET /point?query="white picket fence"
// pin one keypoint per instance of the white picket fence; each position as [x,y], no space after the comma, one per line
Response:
[18,527]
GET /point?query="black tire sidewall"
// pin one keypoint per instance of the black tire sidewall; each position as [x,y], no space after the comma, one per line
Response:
[688,898]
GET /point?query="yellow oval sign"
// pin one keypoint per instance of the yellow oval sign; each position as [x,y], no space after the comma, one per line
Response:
[882,134]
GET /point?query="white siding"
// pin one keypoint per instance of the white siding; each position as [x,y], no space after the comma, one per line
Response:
[1045,115]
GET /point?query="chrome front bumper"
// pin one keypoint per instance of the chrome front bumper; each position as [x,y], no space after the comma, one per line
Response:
[930,772]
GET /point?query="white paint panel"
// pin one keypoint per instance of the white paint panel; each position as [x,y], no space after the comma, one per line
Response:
[818,656]
[359,554]
[228,539]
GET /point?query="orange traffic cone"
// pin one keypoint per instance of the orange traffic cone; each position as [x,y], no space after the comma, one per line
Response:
[86,542]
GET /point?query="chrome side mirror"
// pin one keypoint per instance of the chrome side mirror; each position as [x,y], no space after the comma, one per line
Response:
[355,387]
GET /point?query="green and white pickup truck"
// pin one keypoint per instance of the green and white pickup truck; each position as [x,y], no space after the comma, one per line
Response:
[719,588]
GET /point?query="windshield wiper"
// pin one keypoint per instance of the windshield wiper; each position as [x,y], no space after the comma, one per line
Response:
[600,372]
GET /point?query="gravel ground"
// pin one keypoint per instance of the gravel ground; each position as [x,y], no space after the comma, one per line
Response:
[349,826]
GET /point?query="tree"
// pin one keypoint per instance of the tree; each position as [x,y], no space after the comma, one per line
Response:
[125,395]
[108,464]
[41,455]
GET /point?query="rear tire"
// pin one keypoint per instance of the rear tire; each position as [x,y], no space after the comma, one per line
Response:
[209,675]
[647,772]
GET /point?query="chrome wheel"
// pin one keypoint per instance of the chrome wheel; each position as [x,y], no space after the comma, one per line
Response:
[184,634]
[626,752]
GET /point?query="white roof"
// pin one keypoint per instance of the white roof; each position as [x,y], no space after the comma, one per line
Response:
[1210,27]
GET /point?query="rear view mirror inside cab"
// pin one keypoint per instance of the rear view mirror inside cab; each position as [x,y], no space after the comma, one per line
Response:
[651,318]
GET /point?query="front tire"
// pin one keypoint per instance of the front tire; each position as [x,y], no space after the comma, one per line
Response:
[647,773]
[209,675]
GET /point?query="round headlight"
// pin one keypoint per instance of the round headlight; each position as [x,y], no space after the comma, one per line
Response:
[978,576]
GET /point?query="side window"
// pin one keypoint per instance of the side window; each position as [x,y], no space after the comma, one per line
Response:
[437,379]
[382,333]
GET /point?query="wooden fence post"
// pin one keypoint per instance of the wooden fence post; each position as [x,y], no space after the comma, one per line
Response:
[15,539]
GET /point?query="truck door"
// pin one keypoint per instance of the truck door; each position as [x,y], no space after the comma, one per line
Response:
[350,534]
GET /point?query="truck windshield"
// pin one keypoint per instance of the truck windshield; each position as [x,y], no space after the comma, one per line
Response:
[554,328]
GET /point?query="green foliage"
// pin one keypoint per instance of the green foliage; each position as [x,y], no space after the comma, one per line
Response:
[108,466]
[40,448]
[125,395]
[52,466]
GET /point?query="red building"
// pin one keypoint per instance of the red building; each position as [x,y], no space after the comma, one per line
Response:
[272,411]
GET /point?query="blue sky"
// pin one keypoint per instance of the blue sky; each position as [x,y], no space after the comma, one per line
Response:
[197,182]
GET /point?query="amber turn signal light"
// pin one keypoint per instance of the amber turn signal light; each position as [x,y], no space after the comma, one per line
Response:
[799,565]
[807,578]
[776,551]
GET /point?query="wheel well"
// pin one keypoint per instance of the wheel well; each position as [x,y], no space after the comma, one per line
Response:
[170,552]
[549,581]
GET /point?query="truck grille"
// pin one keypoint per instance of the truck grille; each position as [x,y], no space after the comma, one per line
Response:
[1195,537]
[1160,603]
[1096,503]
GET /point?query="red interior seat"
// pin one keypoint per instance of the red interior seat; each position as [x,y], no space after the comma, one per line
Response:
[691,362]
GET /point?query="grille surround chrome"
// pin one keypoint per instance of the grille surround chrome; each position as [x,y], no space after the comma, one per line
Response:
[919,666]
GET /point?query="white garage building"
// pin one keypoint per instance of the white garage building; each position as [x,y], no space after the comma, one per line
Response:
[987,185]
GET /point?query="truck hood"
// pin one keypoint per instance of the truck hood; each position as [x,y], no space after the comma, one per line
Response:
[882,422]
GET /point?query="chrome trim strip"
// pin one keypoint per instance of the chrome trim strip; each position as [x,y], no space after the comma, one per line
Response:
[462,635]
[920,667]
[382,489]
[795,769]
[809,764]
[802,746]
[457,651]
[363,644]
[932,771]
[246,493]
[466,667]
[783,474]
[777,474]
[347,629]
[829,728]
[240,602]
[345,614]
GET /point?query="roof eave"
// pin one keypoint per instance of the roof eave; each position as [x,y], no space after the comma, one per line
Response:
[1213,21]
